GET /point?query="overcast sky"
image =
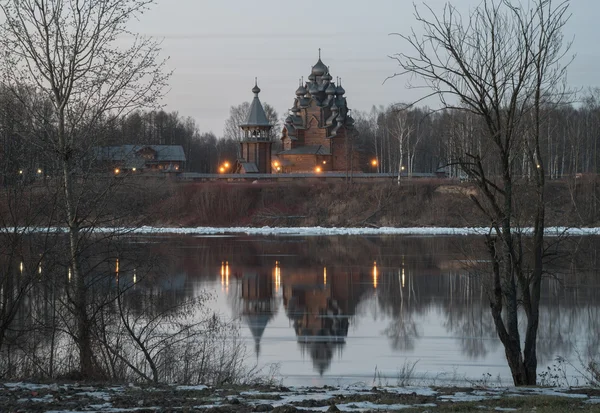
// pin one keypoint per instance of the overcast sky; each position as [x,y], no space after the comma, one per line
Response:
[217,48]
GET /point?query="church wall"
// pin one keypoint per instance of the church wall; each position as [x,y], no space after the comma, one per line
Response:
[300,163]
[314,135]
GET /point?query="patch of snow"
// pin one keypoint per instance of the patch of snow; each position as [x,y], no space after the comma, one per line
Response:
[463,397]
[593,400]
[198,387]
[26,386]
[419,391]
[288,399]
[368,406]
[100,406]
[95,394]
[46,399]
[550,392]
[505,409]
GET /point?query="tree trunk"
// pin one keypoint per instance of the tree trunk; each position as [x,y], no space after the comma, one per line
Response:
[83,335]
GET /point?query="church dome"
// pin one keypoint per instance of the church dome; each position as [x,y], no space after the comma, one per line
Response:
[256,90]
[319,69]
[301,91]
[340,90]
[327,77]
[330,89]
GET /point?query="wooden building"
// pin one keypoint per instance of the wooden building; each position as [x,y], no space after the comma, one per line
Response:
[256,145]
[319,133]
[138,158]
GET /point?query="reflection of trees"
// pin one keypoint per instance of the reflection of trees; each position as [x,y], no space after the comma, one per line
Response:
[398,299]
[466,314]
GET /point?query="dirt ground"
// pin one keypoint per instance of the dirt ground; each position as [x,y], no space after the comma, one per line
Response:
[73,397]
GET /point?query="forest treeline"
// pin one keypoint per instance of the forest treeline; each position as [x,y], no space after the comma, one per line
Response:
[401,137]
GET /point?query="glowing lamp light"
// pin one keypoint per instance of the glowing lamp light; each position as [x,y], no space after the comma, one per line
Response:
[39,171]
[374,162]
[276,164]
[222,169]
[402,168]
[324,162]
[117,171]
[133,169]
[226,165]
[279,168]
[318,169]
[20,172]
[539,166]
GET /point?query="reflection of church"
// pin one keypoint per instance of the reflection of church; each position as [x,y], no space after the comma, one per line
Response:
[320,307]
[258,304]
[319,303]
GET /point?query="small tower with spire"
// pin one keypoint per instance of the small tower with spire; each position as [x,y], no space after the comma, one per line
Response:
[256,144]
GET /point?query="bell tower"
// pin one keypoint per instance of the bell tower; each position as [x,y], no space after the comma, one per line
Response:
[256,143]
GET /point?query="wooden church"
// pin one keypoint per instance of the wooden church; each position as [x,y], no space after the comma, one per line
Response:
[318,135]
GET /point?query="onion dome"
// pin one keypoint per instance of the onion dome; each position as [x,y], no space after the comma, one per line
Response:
[256,89]
[312,77]
[319,69]
[301,91]
[288,119]
[340,91]
[313,89]
[330,89]
[340,117]
[349,121]
[327,77]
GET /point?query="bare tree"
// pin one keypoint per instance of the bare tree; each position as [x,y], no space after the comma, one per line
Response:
[504,64]
[401,129]
[71,53]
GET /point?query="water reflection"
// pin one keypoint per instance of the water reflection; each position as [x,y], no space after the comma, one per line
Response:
[346,304]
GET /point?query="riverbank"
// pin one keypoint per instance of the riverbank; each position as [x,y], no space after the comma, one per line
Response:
[73,397]
[413,203]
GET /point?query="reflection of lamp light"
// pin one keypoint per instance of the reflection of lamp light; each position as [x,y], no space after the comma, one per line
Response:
[277,276]
[374,274]
[324,275]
